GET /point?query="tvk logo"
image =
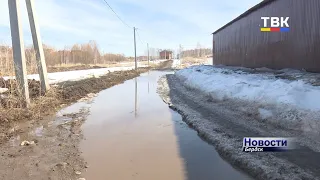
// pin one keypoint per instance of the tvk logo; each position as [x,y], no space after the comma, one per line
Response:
[275,24]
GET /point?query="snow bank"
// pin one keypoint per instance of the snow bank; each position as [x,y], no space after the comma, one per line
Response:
[262,88]
[209,61]
[76,75]
[2,90]
[264,113]
[176,63]
[158,61]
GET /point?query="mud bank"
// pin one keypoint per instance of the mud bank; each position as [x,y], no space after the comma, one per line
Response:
[222,124]
[36,145]
[137,137]
[44,150]
[11,113]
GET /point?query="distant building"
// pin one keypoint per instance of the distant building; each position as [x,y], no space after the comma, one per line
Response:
[142,58]
[243,42]
[165,54]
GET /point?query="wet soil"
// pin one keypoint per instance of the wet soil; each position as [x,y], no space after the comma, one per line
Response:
[65,93]
[130,133]
[74,90]
[124,132]
[53,153]
[166,65]
[35,145]
[225,123]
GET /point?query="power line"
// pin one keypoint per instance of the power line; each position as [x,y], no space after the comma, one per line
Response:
[139,37]
[116,14]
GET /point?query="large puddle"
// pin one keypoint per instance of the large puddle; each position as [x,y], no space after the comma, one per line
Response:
[132,134]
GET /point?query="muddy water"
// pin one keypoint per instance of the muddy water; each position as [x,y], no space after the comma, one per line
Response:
[131,134]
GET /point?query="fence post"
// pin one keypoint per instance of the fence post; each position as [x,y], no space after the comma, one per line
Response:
[18,50]
[37,43]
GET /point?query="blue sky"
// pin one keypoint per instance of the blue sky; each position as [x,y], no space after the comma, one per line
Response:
[161,23]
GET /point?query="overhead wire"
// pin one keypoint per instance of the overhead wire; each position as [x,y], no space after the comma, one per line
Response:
[126,24]
[139,37]
[116,14]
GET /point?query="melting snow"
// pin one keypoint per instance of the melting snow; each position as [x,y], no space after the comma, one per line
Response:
[263,88]
[2,90]
[77,75]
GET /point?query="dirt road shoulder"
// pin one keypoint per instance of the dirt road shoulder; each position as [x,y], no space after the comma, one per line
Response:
[223,125]
[36,145]
[11,113]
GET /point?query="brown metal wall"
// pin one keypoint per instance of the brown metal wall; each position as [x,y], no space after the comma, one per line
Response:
[242,43]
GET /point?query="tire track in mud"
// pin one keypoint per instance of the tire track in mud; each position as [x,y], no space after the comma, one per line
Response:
[54,153]
[220,123]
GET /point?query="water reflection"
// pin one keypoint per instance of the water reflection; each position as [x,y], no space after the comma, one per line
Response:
[159,145]
[135,97]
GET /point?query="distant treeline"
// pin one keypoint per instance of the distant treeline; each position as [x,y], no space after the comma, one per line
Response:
[196,53]
[80,54]
[87,53]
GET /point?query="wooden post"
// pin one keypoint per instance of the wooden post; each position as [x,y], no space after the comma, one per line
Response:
[37,43]
[18,50]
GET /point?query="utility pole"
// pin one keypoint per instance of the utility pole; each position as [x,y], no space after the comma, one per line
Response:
[37,43]
[135,48]
[18,51]
[165,54]
[148,54]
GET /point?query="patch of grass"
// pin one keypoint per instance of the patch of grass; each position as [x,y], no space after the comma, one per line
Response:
[12,111]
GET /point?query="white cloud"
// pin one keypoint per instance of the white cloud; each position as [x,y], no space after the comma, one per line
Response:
[172,23]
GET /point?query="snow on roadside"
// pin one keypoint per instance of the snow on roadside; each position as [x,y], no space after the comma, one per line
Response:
[176,63]
[262,88]
[158,61]
[226,140]
[58,77]
[2,90]
[264,113]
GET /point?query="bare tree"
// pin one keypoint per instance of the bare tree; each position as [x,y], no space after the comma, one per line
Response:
[87,53]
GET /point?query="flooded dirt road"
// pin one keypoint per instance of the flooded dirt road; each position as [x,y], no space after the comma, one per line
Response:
[130,133]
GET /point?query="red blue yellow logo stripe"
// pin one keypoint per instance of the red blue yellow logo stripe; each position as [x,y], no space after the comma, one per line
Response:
[274,29]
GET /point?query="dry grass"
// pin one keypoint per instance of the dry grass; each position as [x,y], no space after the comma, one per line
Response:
[7,63]
[190,60]
[32,67]
[71,67]
[67,65]
[42,105]
[11,111]
[12,106]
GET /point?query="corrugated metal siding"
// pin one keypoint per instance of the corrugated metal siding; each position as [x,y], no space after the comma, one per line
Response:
[242,43]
